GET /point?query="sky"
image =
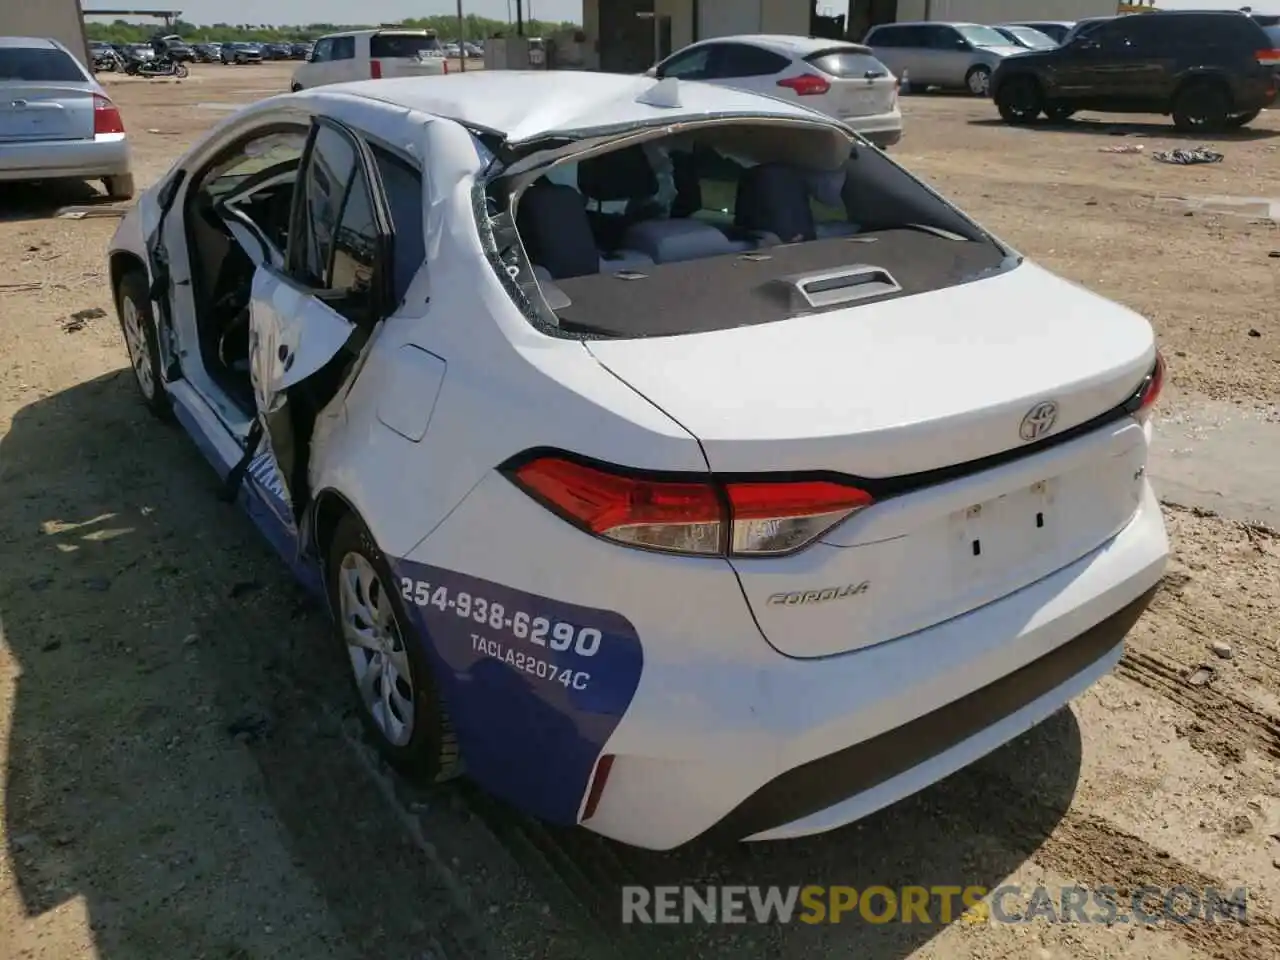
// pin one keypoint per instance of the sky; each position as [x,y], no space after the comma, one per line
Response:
[344,11]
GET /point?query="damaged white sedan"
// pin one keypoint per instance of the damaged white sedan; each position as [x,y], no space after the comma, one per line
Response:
[669,459]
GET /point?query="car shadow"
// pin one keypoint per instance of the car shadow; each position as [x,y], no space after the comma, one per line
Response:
[43,199]
[177,750]
[973,829]
[1110,128]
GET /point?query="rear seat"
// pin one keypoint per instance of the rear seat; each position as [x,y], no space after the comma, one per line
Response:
[774,198]
[552,220]
[670,241]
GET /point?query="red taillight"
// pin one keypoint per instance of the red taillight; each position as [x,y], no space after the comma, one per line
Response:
[1151,387]
[705,517]
[106,117]
[375,69]
[1269,58]
[806,85]
[598,780]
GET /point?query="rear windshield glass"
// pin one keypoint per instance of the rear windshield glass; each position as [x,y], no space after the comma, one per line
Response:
[401,44]
[704,227]
[1273,33]
[34,64]
[848,63]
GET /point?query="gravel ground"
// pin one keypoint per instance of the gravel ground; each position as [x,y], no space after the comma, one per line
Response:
[183,778]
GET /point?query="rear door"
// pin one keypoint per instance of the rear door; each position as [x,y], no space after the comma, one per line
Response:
[343,66]
[860,84]
[948,55]
[310,320]
[890,46]
[44,95]
[405,54]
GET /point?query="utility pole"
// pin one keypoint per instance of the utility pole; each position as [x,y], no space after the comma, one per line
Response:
[462,39]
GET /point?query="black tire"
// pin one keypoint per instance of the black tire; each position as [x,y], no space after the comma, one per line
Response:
[135,290]
[1019,100]
[431,752]
[1201,106]
[120,187]
[1242,119]
[978,80]
[180,71]
[295,88]
[1059,113]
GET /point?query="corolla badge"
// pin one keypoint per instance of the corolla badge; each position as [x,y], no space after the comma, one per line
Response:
[1039,421]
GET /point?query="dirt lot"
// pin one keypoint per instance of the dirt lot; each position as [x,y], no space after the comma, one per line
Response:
[181,779]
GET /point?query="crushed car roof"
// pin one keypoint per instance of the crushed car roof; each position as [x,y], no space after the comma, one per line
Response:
[525,105]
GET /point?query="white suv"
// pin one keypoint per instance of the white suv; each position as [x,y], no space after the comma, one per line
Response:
[371,55]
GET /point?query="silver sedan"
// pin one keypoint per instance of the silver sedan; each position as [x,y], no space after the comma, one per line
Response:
[56,120]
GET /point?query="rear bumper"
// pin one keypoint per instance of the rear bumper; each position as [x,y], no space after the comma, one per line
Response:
[807,746]
[882,129]
[105,156]
[843,786]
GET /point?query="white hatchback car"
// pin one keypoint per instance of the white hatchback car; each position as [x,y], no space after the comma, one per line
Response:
[842,80]
[370,55]
[666,457]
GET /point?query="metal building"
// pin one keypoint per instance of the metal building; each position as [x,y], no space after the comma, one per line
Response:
[629,35]
[59,19]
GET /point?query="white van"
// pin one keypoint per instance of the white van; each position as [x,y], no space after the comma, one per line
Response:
[371,55]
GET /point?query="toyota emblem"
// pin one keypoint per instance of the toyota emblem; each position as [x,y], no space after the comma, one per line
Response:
[1038,421]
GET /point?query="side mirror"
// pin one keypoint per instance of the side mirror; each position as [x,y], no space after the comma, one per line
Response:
[962,44]
[653,72]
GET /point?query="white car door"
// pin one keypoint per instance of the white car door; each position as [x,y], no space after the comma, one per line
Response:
[311,317]
[312,73]
[344,65]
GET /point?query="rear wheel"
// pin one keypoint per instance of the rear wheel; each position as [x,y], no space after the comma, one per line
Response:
[1202,105]
[1242,119]
[978,80]
[1019,100]
[180,71]
[119,187]
[399,705]
[295,88]
[133,305]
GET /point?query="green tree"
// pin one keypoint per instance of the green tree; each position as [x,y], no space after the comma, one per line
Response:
[473,28]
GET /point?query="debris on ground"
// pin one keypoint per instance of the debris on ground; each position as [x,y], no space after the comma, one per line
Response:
[1123,148]
[1221,649]
[1188,157]
[77,321]
[1200,677]
[85,213]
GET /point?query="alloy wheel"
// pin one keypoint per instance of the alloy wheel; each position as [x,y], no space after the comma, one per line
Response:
[376,647]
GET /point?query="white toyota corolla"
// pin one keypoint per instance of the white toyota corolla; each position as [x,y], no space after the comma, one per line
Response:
[670,459]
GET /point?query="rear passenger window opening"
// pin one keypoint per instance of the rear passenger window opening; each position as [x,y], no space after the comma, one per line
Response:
[722,225]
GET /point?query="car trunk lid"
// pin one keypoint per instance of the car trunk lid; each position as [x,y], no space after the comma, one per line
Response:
[944,406]
[45,111]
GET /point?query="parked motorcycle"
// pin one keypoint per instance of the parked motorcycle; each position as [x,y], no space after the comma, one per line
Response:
[160,67]
[107,61]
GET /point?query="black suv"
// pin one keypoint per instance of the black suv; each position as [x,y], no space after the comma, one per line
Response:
[1209,70]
